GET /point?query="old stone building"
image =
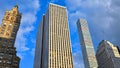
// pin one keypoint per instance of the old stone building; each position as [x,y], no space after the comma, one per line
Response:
[8,31]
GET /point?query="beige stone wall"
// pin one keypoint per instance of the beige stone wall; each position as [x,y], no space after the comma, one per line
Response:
[115,50]
[10,23]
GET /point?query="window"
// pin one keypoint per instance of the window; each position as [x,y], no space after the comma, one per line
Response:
[0,61]
[1,55]
[4,26]
[0,39]
[8,62]
[12,40]
[10,55]
[9,27]
[12,18]
[10,44]
[7,17]
[7,34]
[7,67]
[8,13]
[5,40]
[2,32]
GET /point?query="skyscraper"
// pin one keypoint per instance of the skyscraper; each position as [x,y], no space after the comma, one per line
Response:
[108,55]
[53,49]
[86,44]
[8,31]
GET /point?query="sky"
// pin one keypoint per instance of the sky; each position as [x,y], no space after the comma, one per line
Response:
[102,17]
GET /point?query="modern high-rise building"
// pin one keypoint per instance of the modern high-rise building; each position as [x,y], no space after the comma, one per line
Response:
[53,46]
[86,44]
[108,55]
[8,31]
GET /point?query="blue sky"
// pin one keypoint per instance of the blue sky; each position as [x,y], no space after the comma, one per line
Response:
[102,15]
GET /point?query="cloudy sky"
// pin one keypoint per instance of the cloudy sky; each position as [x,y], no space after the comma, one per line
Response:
[102,15]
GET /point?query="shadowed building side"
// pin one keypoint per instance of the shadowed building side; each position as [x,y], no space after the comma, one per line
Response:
[39,45]
[118,49]
[108,55]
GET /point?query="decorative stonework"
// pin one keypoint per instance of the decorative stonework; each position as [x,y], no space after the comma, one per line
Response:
[8,31]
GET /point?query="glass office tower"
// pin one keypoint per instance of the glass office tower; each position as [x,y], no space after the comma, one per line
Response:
[86,44]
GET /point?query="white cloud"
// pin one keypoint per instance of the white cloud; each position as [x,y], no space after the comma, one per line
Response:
[21,55]
[73,17]
[78,4]
[33,41]
[102,15]
[28,19]
[21,40]
[78,61]
[71,4]
[77,55]
[33,52]
[36,4]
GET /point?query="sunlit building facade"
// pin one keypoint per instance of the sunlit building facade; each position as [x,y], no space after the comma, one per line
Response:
[86,44]
[53,46]
[108,55]
[8,31]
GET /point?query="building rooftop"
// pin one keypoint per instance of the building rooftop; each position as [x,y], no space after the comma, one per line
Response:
[57,5]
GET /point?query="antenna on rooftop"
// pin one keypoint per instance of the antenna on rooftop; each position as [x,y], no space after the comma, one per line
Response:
[103,34]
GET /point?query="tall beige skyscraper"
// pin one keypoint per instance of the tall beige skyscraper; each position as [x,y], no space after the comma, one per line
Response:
[53,47]
[86,44]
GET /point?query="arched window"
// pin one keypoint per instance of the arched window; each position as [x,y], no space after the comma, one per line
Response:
[7,17]
[12,18]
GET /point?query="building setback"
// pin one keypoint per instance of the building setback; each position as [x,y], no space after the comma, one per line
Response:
[8,31]
[108,55]
[53,46]
[86,44]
